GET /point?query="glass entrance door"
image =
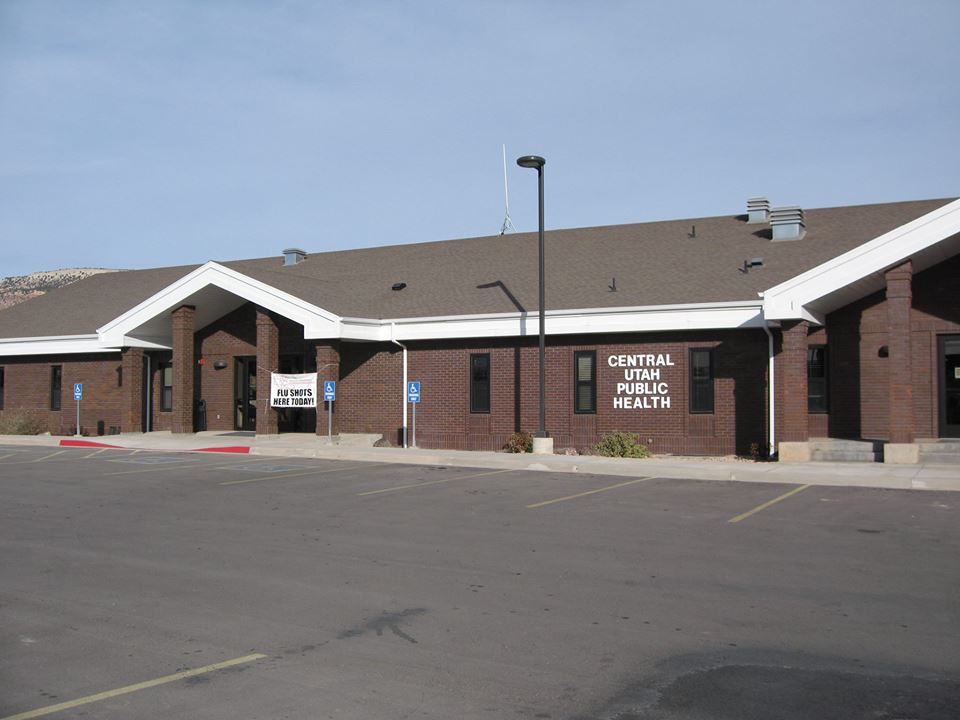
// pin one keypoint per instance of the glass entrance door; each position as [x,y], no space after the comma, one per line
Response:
[245,393]
[950,386]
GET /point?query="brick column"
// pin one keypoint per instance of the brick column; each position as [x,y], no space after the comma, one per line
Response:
[899,364]
[328,368]
[131,411]
[181,420]
[792,373]
[268,361]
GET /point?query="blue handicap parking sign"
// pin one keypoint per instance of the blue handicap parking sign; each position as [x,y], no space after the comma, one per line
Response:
[329,389]
[78,391]
[413,391]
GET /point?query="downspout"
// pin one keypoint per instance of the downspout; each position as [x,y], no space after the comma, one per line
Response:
[148,394]
[149,398]
[403,390]
[771,394]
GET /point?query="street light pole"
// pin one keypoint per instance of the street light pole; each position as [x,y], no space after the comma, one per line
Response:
[545,445]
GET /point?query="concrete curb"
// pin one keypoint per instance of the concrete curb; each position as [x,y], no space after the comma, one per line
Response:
[853,474]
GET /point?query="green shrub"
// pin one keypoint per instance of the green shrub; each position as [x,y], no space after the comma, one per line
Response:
[621,444]
[519,442]
[19,423]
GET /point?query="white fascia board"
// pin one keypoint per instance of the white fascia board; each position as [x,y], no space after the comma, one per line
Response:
[53,345]
[693,316]
[316,321]
[698,316]
[147,343]
[787,300]
[365,329]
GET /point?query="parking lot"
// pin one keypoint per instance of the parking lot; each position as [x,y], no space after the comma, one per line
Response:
[189,585]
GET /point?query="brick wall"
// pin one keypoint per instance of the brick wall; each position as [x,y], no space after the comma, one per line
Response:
[369,396]
[861,366]
[131,408]
[268,362]
[936,311]
[791,379]
[184,360]
[232,336]
[369,391]
[27,391]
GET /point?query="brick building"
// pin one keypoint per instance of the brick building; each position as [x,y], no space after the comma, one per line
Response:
[706,336]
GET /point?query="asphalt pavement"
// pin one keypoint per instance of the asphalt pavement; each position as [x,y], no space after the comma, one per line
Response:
[850,474]
[168,584]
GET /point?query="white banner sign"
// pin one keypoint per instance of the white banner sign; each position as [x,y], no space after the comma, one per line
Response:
[293,391]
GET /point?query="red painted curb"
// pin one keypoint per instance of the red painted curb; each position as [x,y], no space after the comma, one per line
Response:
[86,443]
[242,449]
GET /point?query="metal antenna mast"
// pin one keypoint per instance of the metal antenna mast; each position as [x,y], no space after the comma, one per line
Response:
[507,222]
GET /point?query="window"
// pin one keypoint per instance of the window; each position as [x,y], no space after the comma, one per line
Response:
[56,381]
[701,380]
[817,379]
[585,382]
[1,387]
[166,386]
[480,383]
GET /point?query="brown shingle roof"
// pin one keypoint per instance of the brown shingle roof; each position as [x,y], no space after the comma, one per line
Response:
[653,263]
[81,307]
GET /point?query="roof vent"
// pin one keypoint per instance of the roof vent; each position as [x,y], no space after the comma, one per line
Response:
[787,223]
[758,210]
[292,256]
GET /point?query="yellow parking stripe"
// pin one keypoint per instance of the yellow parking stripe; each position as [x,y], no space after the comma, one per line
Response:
[588,492]
[281,476]
[767,504]
[163,466]
[197,465]
[430,482]
[47,457]
[134,688]
[263,460]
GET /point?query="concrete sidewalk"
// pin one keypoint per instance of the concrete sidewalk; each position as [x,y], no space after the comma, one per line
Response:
[876,475]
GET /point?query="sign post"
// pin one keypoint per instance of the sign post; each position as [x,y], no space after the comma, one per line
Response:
[78,396]
[329,395]
[413,397]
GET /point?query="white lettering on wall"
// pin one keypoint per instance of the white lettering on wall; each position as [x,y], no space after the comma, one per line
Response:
[643,387]
[639,360]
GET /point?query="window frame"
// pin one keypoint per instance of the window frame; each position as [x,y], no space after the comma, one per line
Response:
[578,383]
[476,388]
[56,387]
[823,406]
[693,394]
[166,402]
[3,383]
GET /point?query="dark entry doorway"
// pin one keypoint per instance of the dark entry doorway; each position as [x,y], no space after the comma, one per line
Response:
[245,393]
[950,386]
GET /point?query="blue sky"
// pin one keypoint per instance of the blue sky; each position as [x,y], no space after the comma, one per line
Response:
[136,134]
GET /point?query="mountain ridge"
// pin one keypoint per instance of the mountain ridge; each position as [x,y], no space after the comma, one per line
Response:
[16,289]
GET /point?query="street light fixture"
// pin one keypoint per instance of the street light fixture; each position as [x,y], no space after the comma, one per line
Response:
[545,446]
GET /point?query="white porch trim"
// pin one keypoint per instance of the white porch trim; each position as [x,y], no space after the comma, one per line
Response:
[858,272]
[317,322]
